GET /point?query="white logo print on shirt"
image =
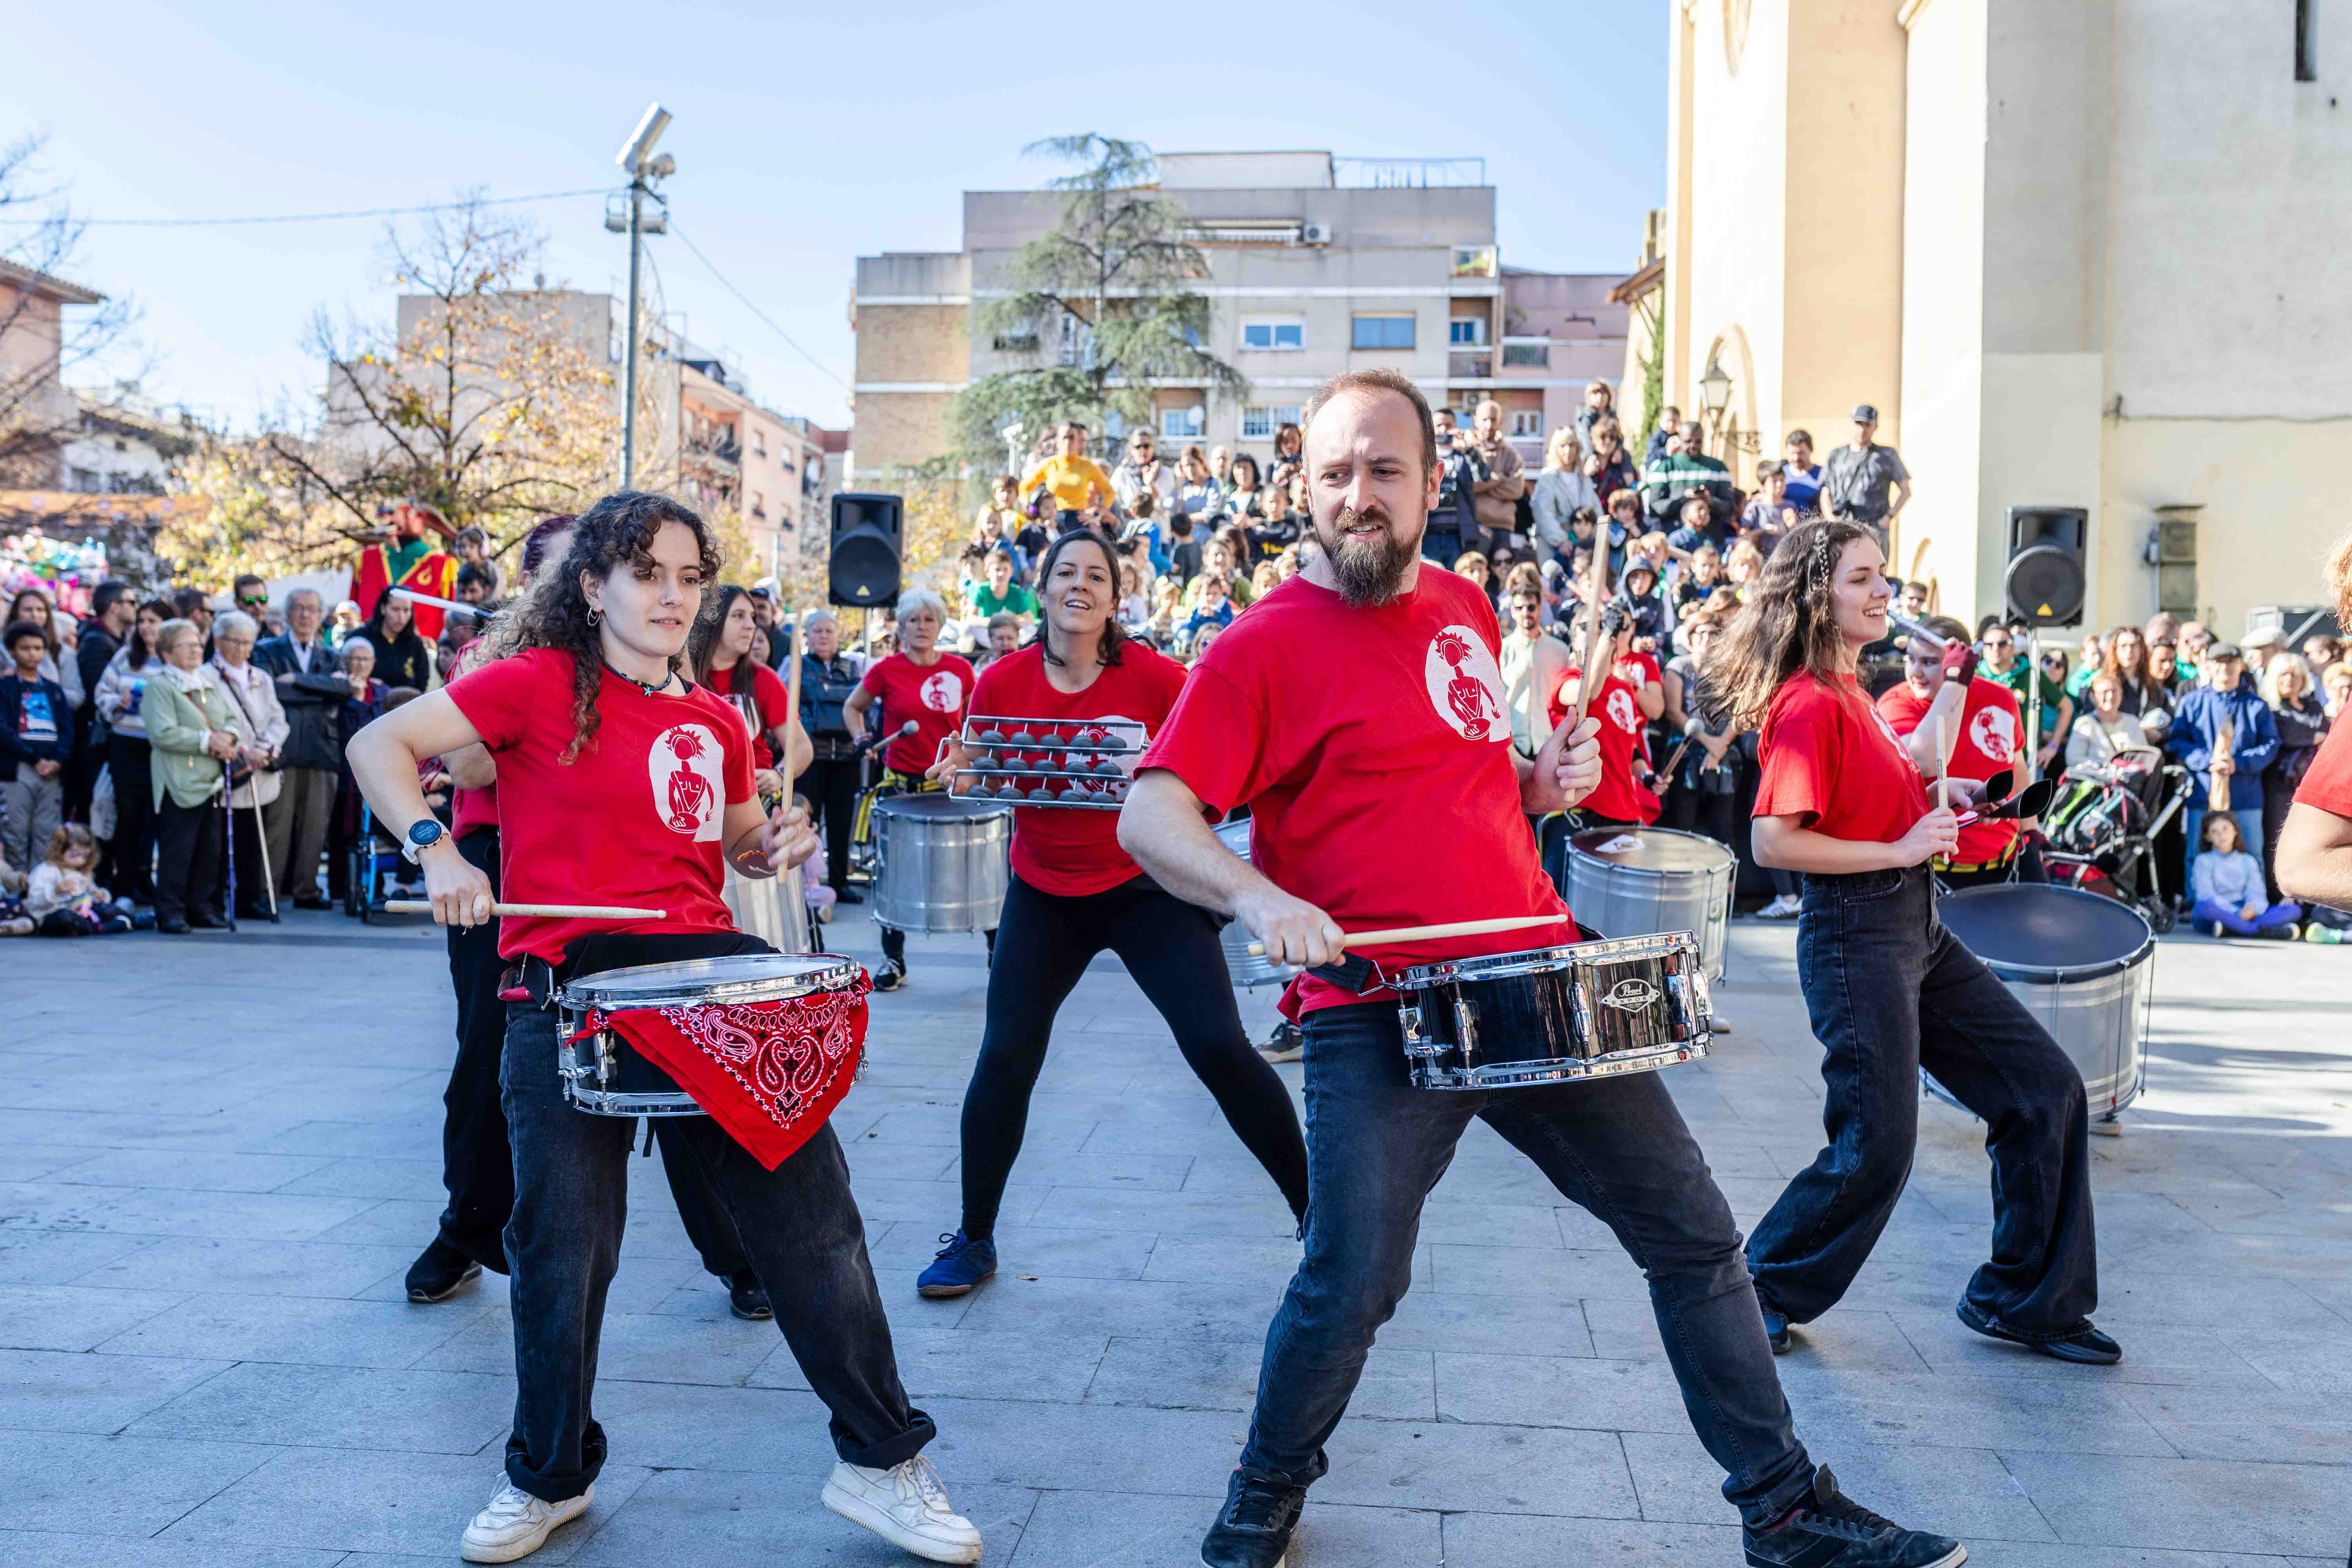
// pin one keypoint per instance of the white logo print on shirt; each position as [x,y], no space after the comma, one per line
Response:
[689,789]
[1465,685]
[1622,711]
[1994,733]
[943,692]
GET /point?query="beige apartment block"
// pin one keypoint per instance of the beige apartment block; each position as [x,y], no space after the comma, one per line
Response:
[1316,265]
[35,410]
[2078,255]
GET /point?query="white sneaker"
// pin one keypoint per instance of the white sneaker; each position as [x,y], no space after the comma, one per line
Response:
[1783,907]
[516,1524]
[906,1506]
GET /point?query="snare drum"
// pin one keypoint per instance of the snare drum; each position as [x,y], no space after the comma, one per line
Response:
[1251,970]
[945,862]
[604,1077]
[1555,1014]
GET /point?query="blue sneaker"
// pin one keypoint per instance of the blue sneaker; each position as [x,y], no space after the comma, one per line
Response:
[962,1263]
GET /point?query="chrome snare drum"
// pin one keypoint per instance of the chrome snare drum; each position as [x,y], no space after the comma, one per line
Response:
[945,862]
[604,1077]
[1555,1014]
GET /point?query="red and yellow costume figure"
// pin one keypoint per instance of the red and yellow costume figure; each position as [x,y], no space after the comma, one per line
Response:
[409,558]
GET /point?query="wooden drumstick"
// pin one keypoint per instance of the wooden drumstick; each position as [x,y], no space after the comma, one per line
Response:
[1421,933]
[540,912]
[1944,762]
[793,699]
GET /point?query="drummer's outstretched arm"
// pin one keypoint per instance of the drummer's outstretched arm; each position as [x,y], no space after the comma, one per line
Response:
[383,757]
[1786,844]
[1162,826]
[2315,857]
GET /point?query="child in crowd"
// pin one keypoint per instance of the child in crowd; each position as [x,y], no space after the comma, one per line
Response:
[1196,643]
[1216,605]
[14,920]
[2227,883]
[36,732]
[1004,637]
[64,895]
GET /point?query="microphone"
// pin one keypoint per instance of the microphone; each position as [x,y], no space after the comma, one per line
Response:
[873,738]
[1911,629]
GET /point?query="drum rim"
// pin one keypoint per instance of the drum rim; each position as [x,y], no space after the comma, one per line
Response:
[583,995]
[970,810]
[2060,975]
[1540,960]
[1730,861]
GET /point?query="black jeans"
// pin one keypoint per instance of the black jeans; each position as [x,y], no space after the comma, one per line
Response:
[131,854]
[1615,1145]
[1043,946]
[188,859]
[1890,991]
[799,1223]
[831,785]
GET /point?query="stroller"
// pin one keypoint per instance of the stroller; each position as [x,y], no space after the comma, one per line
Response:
[2102,826]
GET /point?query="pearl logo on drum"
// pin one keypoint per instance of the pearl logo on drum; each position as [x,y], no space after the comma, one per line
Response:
[1631,994]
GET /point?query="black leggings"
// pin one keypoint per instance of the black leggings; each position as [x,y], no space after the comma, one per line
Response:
[1044,943]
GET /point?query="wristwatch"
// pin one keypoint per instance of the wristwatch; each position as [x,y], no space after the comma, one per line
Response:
[422,835]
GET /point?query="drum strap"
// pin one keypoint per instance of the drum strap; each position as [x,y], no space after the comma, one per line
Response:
[1351,973]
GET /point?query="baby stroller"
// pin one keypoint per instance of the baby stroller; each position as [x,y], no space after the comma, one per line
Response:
[2102,826]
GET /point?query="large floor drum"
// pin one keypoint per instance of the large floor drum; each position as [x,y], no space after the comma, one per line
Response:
[1252,971]
[2083,965]
[1640,881]
[944,865]
[773,908]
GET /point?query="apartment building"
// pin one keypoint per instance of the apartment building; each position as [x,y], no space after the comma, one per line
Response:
[1318,265]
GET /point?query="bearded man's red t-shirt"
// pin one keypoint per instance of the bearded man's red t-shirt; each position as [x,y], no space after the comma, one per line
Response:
[1830,759]
[635,819]
[1989,730]
[1062,850]
[1620,796]
[1370,745]
[935,696]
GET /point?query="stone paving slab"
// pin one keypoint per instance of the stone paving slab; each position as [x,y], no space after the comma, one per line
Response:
[206,1357]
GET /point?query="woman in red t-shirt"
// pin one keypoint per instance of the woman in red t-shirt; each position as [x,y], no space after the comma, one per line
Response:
[1843,800]
[722,662]
[622,783]
[920,686]
[1075,892]
[2314,861]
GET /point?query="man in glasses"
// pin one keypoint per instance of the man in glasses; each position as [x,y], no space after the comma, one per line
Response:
[1142,470]
[2000,649]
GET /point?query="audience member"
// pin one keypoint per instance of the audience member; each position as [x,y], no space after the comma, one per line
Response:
[2226,886]
[35,738]
[258,822]
[311,690]
[191,730]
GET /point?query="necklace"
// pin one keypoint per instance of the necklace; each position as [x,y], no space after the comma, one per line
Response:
[655,690]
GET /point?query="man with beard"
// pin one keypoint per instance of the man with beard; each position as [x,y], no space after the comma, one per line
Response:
[1405,740]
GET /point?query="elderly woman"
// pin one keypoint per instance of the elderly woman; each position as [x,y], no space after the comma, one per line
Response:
[191,730]
[259,824]
[2107,728]
[1560,488]
[2302,721]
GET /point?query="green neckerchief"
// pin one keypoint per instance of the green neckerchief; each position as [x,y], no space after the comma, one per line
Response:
[402,558]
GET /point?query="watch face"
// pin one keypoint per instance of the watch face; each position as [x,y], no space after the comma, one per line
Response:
[425,832]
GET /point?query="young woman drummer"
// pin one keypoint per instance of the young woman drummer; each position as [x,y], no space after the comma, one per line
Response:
[1075,892]
[1842,799]
[917,685]
[722,662]
[622,783]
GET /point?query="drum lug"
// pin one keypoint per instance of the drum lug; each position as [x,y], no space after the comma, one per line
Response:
[1466,1031]
[1417,1043]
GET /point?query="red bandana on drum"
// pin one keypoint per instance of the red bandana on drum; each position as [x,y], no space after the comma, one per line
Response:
[770,1073]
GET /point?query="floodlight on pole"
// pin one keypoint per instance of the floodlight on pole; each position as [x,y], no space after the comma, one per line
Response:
[636,156]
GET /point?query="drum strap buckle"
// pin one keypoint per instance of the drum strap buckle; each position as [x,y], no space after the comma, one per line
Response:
[1361,975]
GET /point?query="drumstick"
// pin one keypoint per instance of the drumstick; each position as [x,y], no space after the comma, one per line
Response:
[793,697]
[1944,762]
[540,912]
[1418,933]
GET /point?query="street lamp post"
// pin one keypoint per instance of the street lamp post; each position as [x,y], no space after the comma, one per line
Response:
[636,156]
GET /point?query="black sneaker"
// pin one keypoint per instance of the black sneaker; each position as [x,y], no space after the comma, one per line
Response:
[889,975]
[848,896]
[1253,1530]
[1776,1330]
[1829,1529]
[748,1299]
[2085,1346]
[439,1272]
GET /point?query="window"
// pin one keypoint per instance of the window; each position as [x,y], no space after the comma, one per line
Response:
[1383,333]
[1182,423]
[1535,356]
[1526,422]
[1259,419]
[1273,332]
[1466,332]
[1474,261]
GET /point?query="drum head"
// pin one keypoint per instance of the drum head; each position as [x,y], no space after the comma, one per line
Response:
[2032,928]
[746,977]
[937,808]
[1650,848]
[1235,837]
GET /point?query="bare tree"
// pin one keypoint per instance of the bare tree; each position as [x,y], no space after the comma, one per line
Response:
[40,345]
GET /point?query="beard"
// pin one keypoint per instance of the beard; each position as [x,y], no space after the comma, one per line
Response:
[1369,571]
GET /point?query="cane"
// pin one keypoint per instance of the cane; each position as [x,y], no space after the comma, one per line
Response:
[261,843]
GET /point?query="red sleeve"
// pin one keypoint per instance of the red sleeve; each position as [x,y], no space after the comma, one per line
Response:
[874,680]
[735,746]
[1214,739]
[774,698]
[2328,784]
[1800,753]
[1902,710]
[970,683]
[498,698]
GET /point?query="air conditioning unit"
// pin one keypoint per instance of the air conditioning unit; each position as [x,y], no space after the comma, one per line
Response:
[1315,234]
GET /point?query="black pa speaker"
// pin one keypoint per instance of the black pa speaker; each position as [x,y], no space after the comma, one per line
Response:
[863,569]
[2043,584]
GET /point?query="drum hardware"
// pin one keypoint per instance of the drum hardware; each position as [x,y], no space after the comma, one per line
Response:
[1557,1015]
[1071,765]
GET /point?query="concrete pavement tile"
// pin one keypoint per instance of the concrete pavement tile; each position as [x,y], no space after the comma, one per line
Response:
[2150,1293]
[1552,1273]
[2199,1504]
[1852,1341]
[113,1486]
[189,1264]
[1109,1208]
[1521,1540]
[373,1177]
[413,1137]
[1032,1249]
[44,1549]
[31,1162]
[1533,1324]
[405,1223]
[1212,1309]
[1560,1391]
[722,1517]
[1134,1172]
[356,1499]
[2248,1421]
[338,1407]
[1184,1453]
[1222,1374]
[259,1216]
[188,1172]
[74,1317]
[29,1256]
[936,1204]
[306,1330]
[1961,1493]
[1120,1529]
[72,1391]
[1496,1469]
[951,1364]
[1959,1410]
[1266,1260]
[2153,1353]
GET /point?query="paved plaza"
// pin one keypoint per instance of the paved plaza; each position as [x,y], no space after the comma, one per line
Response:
[223,1153]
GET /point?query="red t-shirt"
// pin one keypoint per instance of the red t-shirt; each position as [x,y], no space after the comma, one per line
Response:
[935,696]
[767,706]
[2327,783]
[470,809]
[1063,851]
[1620,796]
[1989,730]
[1832,761]
[635,819]
[1372,747]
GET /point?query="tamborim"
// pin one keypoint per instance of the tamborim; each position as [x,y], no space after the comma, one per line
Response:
[604,1077]
[1555,1014]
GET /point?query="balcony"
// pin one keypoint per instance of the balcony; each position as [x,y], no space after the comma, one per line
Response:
[1469,363]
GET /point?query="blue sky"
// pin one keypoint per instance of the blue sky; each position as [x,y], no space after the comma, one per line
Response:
[802,142]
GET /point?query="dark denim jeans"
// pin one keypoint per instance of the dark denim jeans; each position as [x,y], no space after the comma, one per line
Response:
[798,1222]
[1890,991]
[1375,1146]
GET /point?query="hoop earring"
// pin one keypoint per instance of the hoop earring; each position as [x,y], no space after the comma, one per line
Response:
[596,615]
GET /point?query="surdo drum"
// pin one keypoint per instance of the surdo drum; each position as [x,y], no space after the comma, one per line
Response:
[944,863]
[1555,1014]
[1247,969]
[603,1076]
[2083,966]
[1634,880]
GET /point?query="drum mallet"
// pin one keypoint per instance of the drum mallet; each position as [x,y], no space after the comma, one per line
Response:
[539,912]
[437,604]
[1424,933]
